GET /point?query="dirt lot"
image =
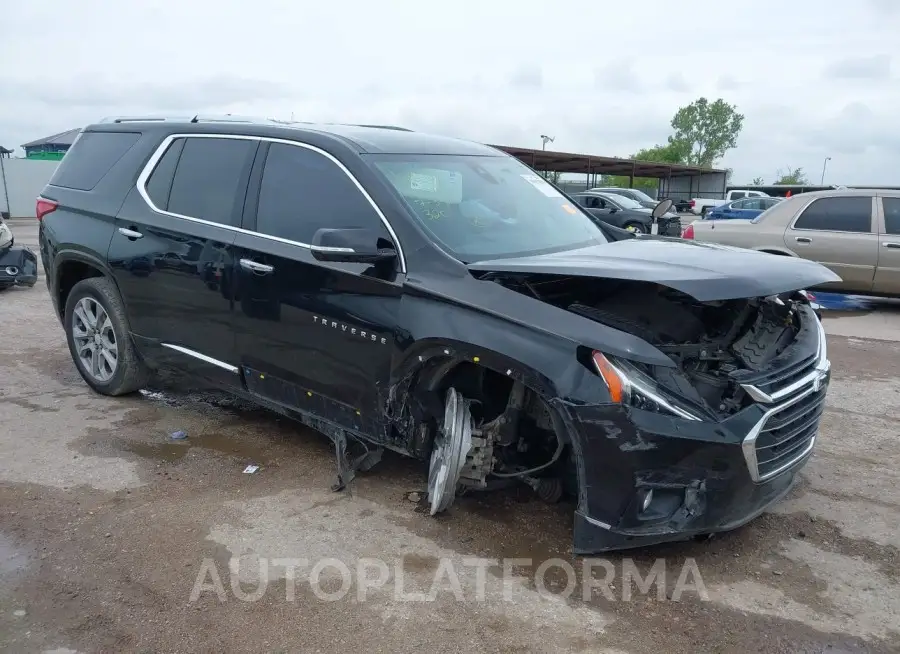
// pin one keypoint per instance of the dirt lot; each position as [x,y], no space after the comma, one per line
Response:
[106,526]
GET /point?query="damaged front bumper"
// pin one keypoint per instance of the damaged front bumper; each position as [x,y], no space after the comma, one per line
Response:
[648,478]
[18,266]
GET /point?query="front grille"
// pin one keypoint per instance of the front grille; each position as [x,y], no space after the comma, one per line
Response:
[787,434]
[784,377]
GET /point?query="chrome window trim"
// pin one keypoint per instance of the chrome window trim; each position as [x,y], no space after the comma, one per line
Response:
[833,231]
[151,164]
[202,357]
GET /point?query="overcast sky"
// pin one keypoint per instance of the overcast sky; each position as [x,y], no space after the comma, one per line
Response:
[813,78]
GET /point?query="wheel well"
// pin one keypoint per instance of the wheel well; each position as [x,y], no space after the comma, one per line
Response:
[70,273]
[497,398]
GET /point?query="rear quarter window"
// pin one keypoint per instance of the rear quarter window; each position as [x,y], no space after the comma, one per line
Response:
[91,156]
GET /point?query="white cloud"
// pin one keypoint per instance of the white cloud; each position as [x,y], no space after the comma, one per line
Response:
[602,79]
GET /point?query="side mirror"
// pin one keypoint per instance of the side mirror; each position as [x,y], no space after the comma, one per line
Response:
[351,245]
[661,209]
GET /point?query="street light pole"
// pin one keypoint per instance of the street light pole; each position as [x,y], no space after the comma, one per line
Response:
[545,140]
[824,166]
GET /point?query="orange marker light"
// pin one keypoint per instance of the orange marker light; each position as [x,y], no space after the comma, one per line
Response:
[613,381]
[569,208]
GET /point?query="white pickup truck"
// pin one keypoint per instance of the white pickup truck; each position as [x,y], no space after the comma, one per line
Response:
[700,206]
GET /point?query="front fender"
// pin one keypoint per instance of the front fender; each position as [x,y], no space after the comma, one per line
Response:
[545,362]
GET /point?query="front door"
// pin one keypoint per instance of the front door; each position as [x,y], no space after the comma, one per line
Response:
[314,336]
[839,232]
[172,254]
[887,275]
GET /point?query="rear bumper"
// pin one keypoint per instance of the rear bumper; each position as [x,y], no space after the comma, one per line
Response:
[18,267]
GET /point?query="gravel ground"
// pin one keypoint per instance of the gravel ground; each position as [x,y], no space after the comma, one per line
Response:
[106,528]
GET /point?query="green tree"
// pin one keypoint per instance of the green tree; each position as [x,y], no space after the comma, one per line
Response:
[706,131]
[792,176]
[757,181]
[670,153]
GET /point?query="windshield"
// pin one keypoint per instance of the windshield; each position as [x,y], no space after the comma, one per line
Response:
[626,203]
[480,208]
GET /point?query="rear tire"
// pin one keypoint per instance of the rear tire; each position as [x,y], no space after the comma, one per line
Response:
[703,212]
[95,320]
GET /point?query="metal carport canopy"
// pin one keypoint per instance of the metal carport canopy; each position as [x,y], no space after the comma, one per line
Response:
[567,162]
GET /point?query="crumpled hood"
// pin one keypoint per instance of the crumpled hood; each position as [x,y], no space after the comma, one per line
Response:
[705,271]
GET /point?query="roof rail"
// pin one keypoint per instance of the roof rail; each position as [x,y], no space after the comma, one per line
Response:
[143,119]
[394,127]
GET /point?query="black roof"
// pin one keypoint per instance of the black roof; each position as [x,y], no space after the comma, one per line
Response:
[364,138]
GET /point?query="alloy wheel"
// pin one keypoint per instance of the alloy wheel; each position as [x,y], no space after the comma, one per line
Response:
[95,339]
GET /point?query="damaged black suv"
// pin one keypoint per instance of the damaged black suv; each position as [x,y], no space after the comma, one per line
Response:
[438,298]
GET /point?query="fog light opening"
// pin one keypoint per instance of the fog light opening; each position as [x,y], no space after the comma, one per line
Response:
[12,271]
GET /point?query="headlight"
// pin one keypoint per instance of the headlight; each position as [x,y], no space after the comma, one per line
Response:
[629,385]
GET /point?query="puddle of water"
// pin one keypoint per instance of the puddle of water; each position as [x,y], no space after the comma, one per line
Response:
[174,451]
[13,559]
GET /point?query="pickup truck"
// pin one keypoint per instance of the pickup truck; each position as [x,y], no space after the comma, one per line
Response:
[700,206]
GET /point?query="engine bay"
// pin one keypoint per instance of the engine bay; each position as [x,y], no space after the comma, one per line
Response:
[708,341]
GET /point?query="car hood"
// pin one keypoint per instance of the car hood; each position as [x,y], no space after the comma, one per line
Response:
[705,271]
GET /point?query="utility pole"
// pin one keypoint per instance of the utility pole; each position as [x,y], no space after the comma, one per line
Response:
[824,166]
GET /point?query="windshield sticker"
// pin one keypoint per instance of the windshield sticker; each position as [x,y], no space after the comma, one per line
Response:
[569,208]
[420,182]
[542,185]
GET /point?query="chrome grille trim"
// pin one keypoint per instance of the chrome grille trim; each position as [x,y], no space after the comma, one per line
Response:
[821,368]
[811,383]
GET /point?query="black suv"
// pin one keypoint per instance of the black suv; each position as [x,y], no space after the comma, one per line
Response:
[438,298]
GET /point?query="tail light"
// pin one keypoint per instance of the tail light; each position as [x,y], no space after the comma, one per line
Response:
[693,203]
[688,232]
[43,207]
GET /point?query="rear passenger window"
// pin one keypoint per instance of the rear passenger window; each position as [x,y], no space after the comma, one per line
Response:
[838,215]
[303,191]
[160,182]
[91,156]
[208,177]
[891,215]
[738,194]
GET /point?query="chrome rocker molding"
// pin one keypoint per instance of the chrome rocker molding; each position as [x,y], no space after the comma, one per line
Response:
[202,357]
[161,150]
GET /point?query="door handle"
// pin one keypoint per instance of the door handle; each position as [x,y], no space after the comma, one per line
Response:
[130,233]
[803,239]
[256,266]
[893,245]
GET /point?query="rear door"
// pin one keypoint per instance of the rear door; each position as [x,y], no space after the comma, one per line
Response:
[838,232]
[725,211]
[887,275]
[172,253]
[313,335]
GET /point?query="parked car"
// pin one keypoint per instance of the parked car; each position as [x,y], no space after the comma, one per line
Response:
[701,206]
[855,233]
[743,208]
[624,213]
[634,194]
[439,298]
[18,264]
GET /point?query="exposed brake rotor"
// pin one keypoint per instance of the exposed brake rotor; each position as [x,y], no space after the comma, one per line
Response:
[448,455]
